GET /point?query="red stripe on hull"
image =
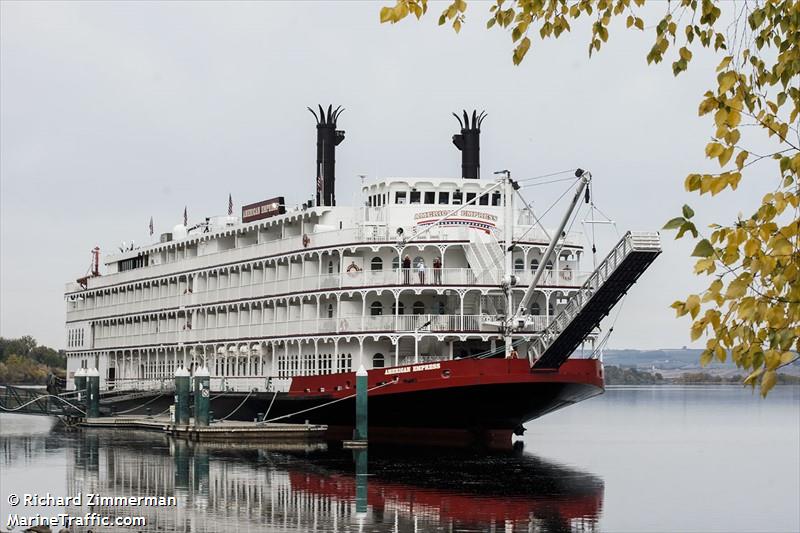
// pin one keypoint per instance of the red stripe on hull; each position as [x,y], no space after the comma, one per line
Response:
[447,374]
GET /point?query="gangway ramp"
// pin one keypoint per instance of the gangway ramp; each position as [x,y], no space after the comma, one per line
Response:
[594,300]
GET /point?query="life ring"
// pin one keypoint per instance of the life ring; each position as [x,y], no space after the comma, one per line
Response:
[306,240]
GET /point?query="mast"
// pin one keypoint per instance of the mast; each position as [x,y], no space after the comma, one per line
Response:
[585,177]
[509,279]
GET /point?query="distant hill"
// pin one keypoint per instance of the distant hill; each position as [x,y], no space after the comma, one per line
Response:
[678,359]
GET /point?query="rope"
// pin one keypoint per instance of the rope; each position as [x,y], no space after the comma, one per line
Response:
[237,408]
[324,404]
[548,175]
[151,400]
[275,395]
[10,410]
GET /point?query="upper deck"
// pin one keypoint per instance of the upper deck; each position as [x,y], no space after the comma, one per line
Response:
[389,206]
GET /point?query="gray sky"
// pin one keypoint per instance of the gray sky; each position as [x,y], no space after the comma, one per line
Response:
[113,112]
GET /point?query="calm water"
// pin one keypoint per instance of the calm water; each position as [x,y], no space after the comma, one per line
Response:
[635,459]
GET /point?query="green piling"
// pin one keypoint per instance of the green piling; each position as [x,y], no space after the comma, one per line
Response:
[361,405]
[182,385]
[80,383]
[202,396]
[92,393]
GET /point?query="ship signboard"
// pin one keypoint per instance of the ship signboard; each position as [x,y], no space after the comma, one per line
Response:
[263,209]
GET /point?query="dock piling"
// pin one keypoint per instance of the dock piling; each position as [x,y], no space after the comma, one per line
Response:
[202,397]
[181,396]
[92,393]
[361,404]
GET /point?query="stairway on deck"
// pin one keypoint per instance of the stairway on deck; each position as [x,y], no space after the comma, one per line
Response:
[485,257]
[595,299]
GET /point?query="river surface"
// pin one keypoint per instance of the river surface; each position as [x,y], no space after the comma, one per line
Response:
[637,459]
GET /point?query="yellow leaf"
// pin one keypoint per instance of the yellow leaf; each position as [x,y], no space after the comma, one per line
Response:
[724,63]
[737,289]
[726,81]
[714,149]
[767,382]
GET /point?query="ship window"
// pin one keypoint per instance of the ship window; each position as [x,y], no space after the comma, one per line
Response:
[330,310]
[376,309]
[419,308]
[395,263]
[398,309]
[430,197]
[457,197]
[330,267]
[400,197]
[444,197]
[470,196]
[496,198]
[535,309]
[442,309]
[534,265]
[519,264]
[484,199]
[376,264]
[414,197]
[378,361]
[549,265]
[550,310]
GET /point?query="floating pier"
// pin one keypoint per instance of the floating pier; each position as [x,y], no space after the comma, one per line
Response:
[219,430]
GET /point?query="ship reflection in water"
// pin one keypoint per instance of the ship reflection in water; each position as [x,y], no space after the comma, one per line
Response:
[316,487]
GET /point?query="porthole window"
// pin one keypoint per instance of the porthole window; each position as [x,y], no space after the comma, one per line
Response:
[376,264]
[376,309]
[378,361]
[419,308]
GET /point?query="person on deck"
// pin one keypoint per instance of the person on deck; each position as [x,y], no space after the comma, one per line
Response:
[421,272]
[437,271]
[406,270]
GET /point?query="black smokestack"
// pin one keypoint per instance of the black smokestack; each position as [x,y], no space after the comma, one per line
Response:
[328,138]
[469,142]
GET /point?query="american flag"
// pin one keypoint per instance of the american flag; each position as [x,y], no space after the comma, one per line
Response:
[230,205]
[185,217]
[151,226]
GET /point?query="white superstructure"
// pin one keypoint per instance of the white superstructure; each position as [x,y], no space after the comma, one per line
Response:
[317,290]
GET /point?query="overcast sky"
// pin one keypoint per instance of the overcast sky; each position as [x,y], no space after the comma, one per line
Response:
[111,113]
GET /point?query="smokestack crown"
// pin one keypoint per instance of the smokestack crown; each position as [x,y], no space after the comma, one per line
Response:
[468,141]
[328,138]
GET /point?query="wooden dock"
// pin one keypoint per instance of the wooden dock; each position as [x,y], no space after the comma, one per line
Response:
[218,430]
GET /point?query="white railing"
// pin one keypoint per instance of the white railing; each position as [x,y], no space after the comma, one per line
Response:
[360,278]
[427,323]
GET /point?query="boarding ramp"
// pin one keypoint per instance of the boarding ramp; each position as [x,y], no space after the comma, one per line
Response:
[595,299]
[28,401]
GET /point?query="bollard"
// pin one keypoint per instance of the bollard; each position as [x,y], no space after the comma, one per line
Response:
[80,383]
[360,432]
[92,393]
[181,396]
[202,397]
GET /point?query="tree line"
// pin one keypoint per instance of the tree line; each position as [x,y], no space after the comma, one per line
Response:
[23,360]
